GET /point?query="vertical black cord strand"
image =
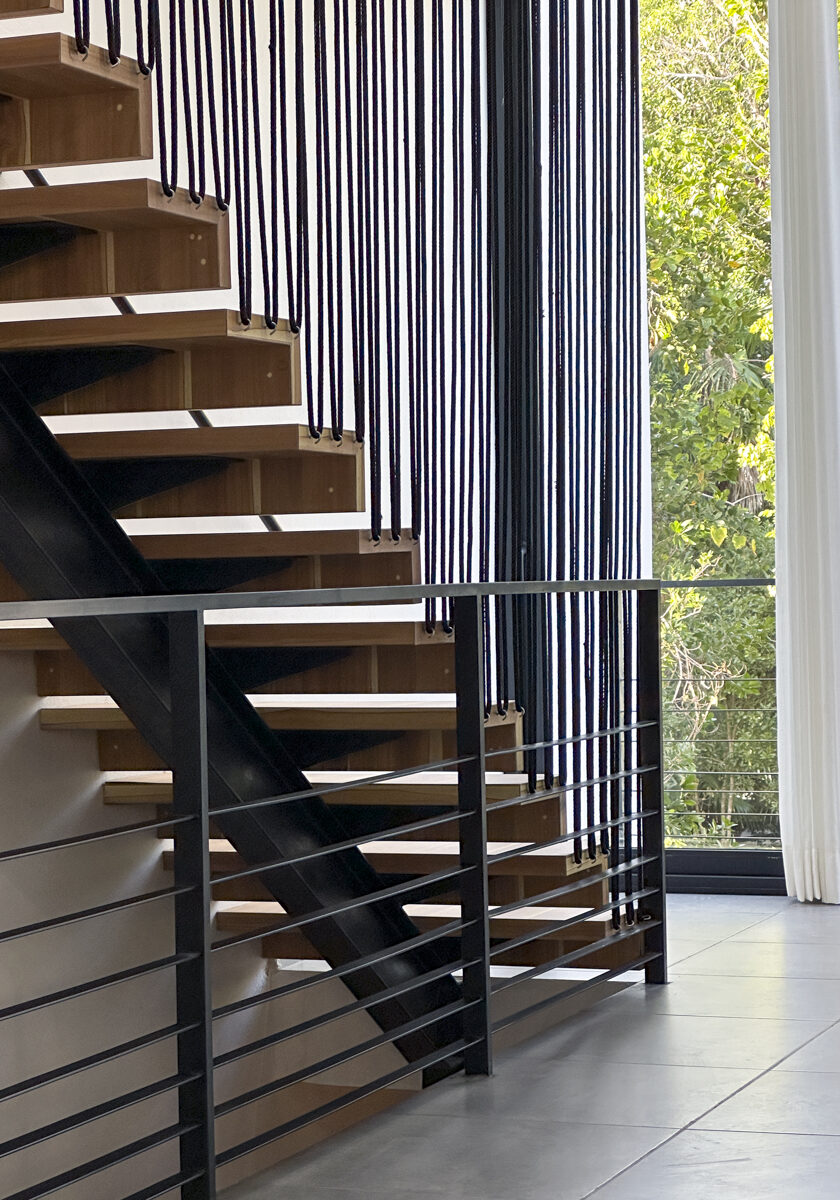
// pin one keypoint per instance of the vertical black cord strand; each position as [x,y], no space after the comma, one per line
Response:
[81,25]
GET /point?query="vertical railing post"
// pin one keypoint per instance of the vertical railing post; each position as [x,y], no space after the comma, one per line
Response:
[475,938]
[188,692]
[650,754]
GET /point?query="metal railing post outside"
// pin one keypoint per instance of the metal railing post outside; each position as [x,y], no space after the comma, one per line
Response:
[472,805]
[652,797]
[188,691]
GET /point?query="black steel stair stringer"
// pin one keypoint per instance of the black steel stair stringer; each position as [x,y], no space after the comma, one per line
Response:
[58,541]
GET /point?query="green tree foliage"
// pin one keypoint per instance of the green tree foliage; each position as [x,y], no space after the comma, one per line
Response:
[707,147]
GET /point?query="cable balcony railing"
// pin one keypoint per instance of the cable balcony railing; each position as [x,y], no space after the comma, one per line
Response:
[475,954]
[720,715]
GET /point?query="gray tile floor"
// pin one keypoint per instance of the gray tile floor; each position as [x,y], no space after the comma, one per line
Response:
[725,1085]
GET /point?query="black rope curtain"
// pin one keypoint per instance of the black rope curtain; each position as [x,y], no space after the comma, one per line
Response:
[444,198]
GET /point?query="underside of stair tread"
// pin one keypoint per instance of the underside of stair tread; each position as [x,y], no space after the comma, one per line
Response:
[129,238]
[65,108]
[285,712]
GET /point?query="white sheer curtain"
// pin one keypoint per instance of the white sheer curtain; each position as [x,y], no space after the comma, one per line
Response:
[805,118]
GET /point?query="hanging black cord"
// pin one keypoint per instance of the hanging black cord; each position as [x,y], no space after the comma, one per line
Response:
[353,234]
[391,260]
[81,25]
[315,410]
[193,131]
[113,26]
[415,479]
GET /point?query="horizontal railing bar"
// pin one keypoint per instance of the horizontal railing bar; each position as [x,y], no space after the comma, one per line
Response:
[337,847]
[94,1060]
[343,1056]
[360,1093]
[293,1031]
[322,914]
[675,741]
[673,585]
[568,889]
[358,964]
[313,792]
[96,1165]
[101,835]
[87,914]
[558,927]
[578,737]
[118,606]
[576,787]
[721,771]
[567,993]
[154,1190]
[97,1112]
[671,711]
[564,960]
[570,922]
[96,985]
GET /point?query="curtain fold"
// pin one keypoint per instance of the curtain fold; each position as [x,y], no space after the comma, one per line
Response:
[805,124]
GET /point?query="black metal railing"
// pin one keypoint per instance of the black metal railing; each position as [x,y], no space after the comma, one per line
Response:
[605,918]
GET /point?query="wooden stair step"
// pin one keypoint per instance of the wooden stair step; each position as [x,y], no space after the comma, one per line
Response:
[134,241]
[537,821]
[280,712]
[393,857]
[250,484]
[207,358]
[342,750]
[65,108]
[425,668]
[426,789]
[30,8]
[267,629]
[253,916]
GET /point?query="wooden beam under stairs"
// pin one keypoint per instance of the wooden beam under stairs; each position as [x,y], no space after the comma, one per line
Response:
[131,240]
[62,108]
[210,360]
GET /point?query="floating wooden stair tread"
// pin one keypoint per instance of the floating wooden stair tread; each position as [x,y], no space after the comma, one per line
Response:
[68,108]
[268,629]
[137,240]
[167,331]
[207,358]
[423,789]
[249,482]
[255,915]
[282,543]
[283,712]
[423,858]
[30,8]
[237,441]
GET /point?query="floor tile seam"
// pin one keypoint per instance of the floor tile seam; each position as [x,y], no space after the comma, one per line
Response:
[730,975]
[694,1123]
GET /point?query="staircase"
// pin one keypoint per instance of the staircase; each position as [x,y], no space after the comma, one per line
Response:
[291,704]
